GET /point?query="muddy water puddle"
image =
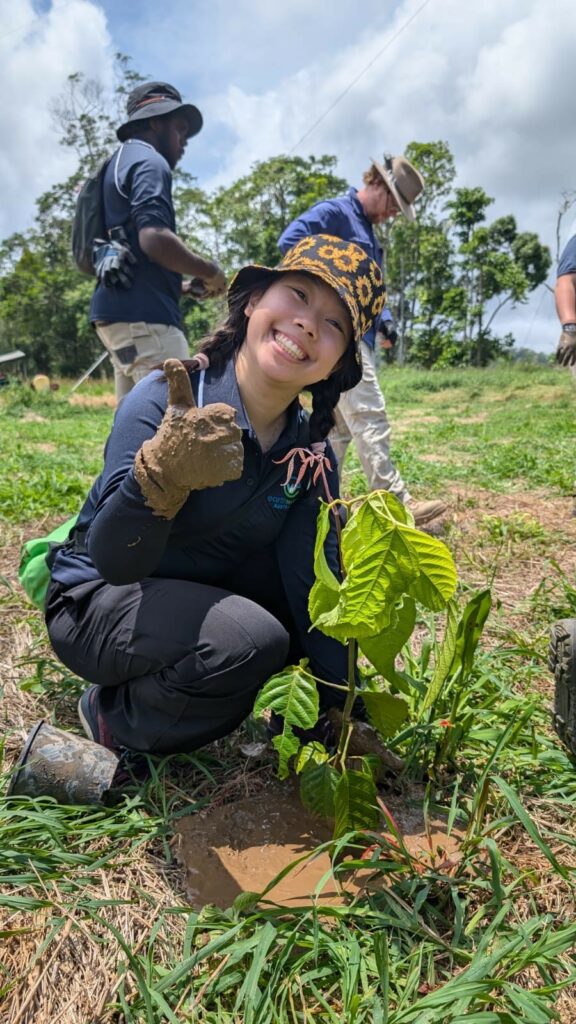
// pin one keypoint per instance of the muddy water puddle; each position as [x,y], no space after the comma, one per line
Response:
[241,847]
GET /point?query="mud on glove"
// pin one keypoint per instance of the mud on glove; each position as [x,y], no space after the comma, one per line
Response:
[192,448]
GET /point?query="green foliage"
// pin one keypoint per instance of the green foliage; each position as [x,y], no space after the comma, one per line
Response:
[294,696]
[387,566]
[251,214]
[445,269]
[355,802]
[383,558]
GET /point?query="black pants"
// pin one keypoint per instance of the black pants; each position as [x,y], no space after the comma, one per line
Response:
[179,664]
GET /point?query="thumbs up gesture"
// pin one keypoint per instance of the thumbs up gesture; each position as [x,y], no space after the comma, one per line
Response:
[192,448]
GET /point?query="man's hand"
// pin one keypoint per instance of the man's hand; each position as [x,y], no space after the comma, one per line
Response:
[194,289]
[200,288]
[566,351]
[216,284]
[192,448]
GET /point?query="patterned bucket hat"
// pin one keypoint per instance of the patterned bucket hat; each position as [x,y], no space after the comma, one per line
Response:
[344,266]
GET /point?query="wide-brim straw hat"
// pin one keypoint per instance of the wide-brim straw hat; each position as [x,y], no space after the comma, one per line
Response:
[403,180]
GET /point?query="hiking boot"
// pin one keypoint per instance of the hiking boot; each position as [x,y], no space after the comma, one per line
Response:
[93,722]
[133,768]
[425,511]
[562,662]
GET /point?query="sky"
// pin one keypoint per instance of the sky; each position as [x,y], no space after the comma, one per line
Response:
[495,80]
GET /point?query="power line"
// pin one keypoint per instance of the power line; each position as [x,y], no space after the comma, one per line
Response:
[359,75]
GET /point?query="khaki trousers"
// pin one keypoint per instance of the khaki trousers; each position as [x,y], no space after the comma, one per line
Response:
[361,416]
[137,348]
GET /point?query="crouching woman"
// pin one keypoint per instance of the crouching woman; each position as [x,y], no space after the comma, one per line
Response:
[185,585]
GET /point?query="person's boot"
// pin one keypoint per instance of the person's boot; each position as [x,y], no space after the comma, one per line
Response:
[132,766]
[425,512]
[562,662]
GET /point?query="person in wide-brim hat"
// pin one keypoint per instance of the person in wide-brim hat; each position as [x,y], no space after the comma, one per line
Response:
[404,181]
[390,188]
[156,99]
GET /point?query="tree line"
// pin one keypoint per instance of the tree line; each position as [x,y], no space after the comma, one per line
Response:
[448,275]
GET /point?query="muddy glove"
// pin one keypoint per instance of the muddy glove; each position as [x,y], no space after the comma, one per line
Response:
[113,262]
[566,351]
[192,448]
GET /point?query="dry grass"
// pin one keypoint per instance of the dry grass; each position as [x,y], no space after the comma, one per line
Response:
[59,967]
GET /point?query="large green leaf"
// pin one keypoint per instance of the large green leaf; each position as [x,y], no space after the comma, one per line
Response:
[310,753]
[356,802]
[324,593]
[385,712]
[293,695]
[381,650]
[383,558]
[437,578]
[286,745]
[318,788]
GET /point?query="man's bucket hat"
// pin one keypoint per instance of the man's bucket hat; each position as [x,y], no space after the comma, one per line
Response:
[344,266]
[155,99]
[403,180]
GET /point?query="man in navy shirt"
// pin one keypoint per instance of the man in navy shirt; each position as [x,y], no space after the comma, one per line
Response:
[389,189]
[141,325]
[565,293]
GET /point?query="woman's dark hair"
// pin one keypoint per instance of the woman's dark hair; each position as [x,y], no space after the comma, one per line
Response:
[228,338]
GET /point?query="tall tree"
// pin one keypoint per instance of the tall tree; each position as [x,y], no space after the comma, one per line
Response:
[409,247]
[252,213]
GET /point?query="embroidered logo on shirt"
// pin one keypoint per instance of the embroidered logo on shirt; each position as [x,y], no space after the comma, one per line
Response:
[291,490]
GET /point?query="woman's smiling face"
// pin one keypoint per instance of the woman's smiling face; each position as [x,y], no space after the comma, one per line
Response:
[298,330]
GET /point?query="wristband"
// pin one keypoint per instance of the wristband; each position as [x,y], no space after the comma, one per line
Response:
[570,327]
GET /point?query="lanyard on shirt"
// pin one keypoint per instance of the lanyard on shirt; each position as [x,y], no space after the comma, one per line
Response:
[200,400]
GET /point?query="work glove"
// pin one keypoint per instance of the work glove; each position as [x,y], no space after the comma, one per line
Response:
[192,448]
[113,262]
[566,351]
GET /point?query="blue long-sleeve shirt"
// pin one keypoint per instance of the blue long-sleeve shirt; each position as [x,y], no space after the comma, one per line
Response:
[119,539]
[343,217]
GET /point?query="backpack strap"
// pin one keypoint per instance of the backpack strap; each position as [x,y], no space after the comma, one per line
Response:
[116,182]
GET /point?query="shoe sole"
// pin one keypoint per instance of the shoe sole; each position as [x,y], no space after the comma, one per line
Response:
[84,721]
[562,663]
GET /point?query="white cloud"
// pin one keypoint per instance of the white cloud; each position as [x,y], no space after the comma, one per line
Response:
[37,53]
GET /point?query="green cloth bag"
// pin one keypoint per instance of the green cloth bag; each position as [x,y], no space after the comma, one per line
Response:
[34,571]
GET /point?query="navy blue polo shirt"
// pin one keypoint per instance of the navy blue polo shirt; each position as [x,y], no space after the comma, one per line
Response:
[343,217]
[218,528]
[137,193]
[567,264]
